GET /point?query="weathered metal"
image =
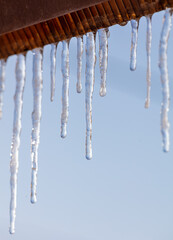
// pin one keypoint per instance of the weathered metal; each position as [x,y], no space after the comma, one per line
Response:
[18,14]
[26,24]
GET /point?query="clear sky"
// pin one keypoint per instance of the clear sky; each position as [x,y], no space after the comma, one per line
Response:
[126,191]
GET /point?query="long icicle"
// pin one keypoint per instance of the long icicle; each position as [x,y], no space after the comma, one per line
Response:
[103,58]
[134,40]
[14,163]
[36,117]
[165,79]
[53,69]
[65,87]
[148,49]
[89,87]
[79,63]
[2,83]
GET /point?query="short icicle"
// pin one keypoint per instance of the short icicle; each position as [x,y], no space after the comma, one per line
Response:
[37,84]
[65,87]
[134,40]
[148,49]
[14,163]
[53,69]
[79,63]
[165,79]
[89,87]
[2,83]
[103,58]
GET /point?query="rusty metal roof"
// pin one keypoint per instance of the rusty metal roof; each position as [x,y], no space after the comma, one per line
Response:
[64,19]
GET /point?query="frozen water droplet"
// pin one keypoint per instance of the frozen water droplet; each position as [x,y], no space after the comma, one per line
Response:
[65,87]
[103,58]
[53,69]
[14,163]
[79,63]
[134,40]
[148,48]
[165,79]
[89,87]
[37,84]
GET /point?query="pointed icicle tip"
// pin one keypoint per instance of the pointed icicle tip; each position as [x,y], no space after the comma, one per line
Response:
[65,87]
[89,87]
[37,84]
[164,125]
[33,199]
[15,144]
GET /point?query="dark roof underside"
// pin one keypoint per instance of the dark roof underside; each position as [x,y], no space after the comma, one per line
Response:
[73,23]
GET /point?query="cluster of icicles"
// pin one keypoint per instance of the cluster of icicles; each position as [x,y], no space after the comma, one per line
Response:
[89,87]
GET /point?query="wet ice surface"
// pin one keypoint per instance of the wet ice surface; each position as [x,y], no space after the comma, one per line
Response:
[148,48]
[103,58]
[165,79]
[53,69]
[89,87]
[65,87]
[37,84]
[134,40]
[79,63]
[103,35]
[14,163]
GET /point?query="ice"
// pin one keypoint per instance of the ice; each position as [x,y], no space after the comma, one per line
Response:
[89,87]
[65,87]
[79,63]
[103,58]
[164,79]
[148,48]
[134,40]
[36,117]
[2,85]
[53,69]
[14,163]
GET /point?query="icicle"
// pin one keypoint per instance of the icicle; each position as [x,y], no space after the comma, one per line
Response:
[53,69]
[65,87]
[134,40]
[148,48]
[164,79]
[14,163]
[89,87]
[103,58]
[36,117]
[79,63]
[2,85]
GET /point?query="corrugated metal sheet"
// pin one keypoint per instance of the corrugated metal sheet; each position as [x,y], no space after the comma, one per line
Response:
[77,23]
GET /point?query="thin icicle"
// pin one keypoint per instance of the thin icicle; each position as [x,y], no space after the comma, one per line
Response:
[79,63]
[65,87]
[89,87]
[14,163]
[53,69]
[36,117]
[165,79]
[148,48]
[134,40]
[103,58]
[2,85]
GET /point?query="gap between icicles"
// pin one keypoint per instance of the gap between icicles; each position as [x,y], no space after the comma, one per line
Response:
[37,82]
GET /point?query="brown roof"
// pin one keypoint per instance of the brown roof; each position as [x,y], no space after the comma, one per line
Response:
[57,20]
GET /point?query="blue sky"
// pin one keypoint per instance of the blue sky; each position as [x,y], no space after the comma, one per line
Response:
[126,191]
